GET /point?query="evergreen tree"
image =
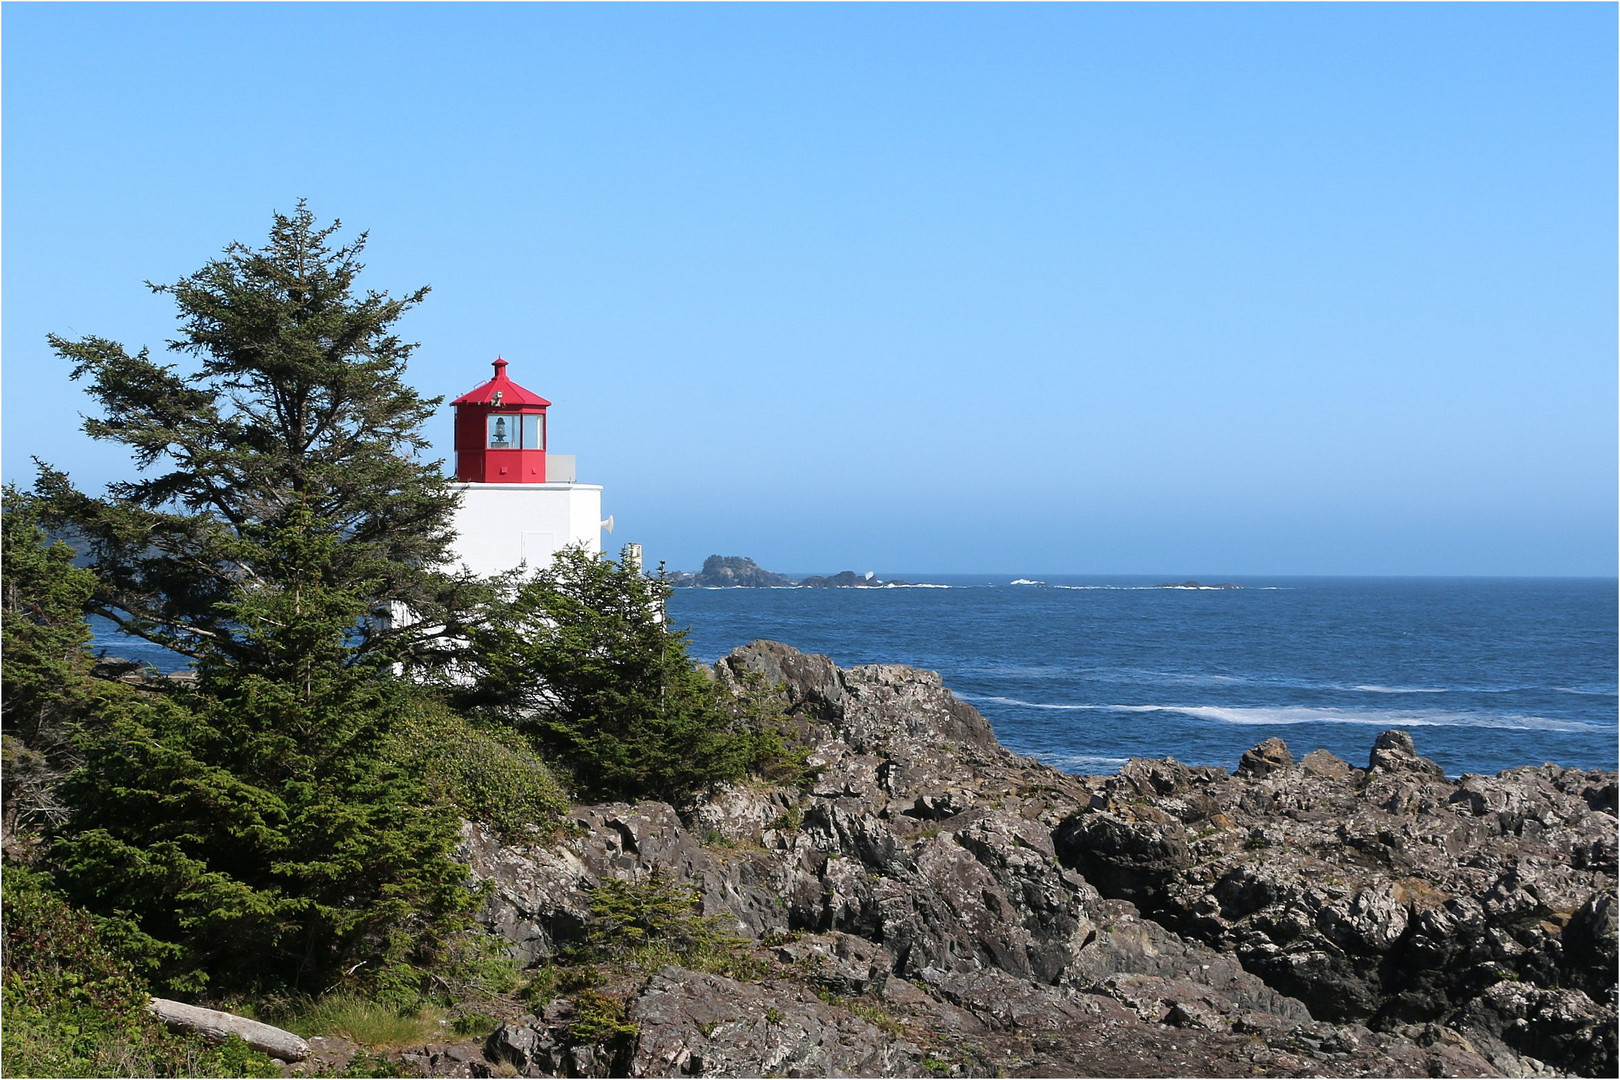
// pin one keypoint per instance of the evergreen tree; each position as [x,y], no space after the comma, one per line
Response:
[299,407]
[253,829]
[582,658]
[47,664]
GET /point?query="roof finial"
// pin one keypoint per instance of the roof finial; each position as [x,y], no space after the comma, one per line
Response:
[499,363]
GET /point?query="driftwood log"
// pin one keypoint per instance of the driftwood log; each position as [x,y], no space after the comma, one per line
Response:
[218,1026]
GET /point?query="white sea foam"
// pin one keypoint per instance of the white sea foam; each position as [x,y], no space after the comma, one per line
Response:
[1142,588]
[1284,715]
[1082,764]
[1026,581]
[1585,691]
[1375,689]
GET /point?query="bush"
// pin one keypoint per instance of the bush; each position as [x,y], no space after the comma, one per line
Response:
[48,688]
[485,774]
[248,866]
[74,1007]
[581,657]
[657,921]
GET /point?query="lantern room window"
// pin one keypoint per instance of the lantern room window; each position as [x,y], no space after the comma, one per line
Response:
[517,431]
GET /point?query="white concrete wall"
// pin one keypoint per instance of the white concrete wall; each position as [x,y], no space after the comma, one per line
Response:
[501,525]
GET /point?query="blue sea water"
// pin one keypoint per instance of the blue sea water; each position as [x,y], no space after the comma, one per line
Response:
[1084,673]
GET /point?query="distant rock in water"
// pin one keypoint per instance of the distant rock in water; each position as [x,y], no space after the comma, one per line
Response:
[847,579]
[731,571]
[1196,585]
[739,571]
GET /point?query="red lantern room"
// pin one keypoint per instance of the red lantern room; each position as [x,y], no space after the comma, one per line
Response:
[501,433]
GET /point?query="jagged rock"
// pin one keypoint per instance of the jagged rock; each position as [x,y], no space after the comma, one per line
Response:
[1133,860]
[1392,897]
[1561,1027]
[1393,751]
[1268,757]
[539,893]
[707,1025]
[813,684]
[1308,918]
[1328,766]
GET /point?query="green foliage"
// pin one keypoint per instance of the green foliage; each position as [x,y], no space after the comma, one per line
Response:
[254,834]
[580,656]
[790,820]
[473,1024]
[599,1018]
[629,915]
[247,868]
[868,1009]
[473,965]
[298,407]
[657,921]
[74,1007]
[486,773]
[358,1018]
[48,687]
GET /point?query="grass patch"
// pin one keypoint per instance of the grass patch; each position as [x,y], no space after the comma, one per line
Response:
[867,1010]
[359,1020]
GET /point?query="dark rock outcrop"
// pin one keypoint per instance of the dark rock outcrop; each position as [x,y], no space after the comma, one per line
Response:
[741,572]
[933,903]
[1390,896]
[730,571]
[846,579]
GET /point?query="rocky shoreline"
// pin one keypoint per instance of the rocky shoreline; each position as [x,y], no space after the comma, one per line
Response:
[933,904]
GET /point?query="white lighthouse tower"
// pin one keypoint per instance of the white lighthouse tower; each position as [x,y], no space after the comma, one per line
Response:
[519,505]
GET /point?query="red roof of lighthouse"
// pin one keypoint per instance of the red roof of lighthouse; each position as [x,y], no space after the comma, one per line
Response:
[511,393]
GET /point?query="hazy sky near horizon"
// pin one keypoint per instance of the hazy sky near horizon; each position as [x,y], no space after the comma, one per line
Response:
[1162,289]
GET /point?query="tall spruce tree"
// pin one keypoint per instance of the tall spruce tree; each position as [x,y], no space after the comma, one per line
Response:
[298,410]
[253,829]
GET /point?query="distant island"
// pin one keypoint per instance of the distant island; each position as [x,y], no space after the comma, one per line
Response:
[741,572]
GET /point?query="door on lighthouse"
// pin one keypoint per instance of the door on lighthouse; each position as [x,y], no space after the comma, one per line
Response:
[538,548]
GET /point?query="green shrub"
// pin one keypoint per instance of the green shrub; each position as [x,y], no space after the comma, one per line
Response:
[599,1018]
[657,921]
[581,657]
[230,849]
[487,774]
[48,685]
[74,1007]
[473,1024]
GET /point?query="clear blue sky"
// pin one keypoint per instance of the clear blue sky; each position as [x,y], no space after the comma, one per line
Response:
[1155,289]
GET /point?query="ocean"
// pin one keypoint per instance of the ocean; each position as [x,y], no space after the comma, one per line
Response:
[1087,672]
[1084,673]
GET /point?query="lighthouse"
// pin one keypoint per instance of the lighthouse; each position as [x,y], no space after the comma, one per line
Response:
[520,505]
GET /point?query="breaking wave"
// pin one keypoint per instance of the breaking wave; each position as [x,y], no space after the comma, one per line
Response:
[1281,715]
